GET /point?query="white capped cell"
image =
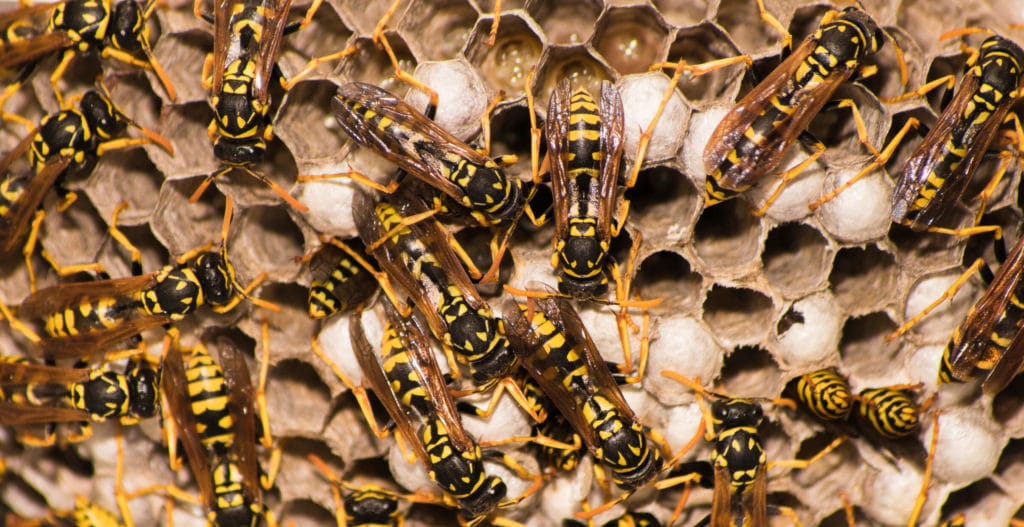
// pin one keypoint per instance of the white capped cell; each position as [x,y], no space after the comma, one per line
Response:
[461,96]
[814,341]
[860,213]
[641,96]
[683,345]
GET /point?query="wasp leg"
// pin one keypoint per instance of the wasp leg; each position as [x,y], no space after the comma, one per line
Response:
[804,463]
[380,38]
[789,175]
[1007,157]
[390,188]
[948,80]
[358,391]
[505,385]
[9,92]
[58,73]
[922,495]
[881,157]
[768,18]
[120,238]
[30,247]
[964,31]
[978,265]
[266,438]
[314,63]
[493,37]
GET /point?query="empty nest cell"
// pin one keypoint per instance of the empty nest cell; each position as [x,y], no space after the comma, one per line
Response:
[738,316]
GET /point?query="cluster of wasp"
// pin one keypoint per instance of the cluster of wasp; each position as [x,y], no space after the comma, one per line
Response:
[409,270]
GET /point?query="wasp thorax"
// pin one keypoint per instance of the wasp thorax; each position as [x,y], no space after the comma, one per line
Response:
[216,276]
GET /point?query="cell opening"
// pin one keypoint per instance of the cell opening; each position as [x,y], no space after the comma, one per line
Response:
[296,391]
[442,28]
[309,138]
[505,65]
[567,23]
[738,316]
[864,279]
[701,44]
[795,258]
[630,38]
[863,344]
[745,370]
[669,276]
[727,234]
[662,194]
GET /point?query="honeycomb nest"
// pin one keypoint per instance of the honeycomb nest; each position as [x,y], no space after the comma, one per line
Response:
[757,300]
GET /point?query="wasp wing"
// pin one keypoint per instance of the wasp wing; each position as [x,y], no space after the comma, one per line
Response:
[976,331]
[24,51]
[270,46]
[174,385]
[17,373]
[242,400]
[529,347]
[612,137]
[721,499]
[18,216]
[919,167]
[373,374]
[13,414]
[221,41]
[556,130]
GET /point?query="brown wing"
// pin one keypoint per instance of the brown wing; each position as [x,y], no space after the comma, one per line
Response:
[175,389]
[9,17]
[739,118]
[421,159]
[599,378]
[270,46]
[19,150]
[221,40]
[17,373]
[14,223]
[612,133]
[28,50]
[556,131]
[1008,366]
[373,375]
[242,399]
[424,362]
[17,414]
[528,347]
[759,498]
[925,158]
[976,330]
[434,237]
[721,499]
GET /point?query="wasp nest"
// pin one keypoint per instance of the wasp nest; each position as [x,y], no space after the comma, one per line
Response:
[749,302]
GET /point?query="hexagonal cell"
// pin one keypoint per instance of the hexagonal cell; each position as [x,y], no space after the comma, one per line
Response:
[668,275]
[630,38]
[863,347]
[74,236]
[566,23]
[290,328]
[185,126]
[663,199]
[575,63]
[864,279]
[124,176]
[920,20]
[517,48]
[182,226]
[926,250]
[727,236]
[364,15]
[889,81]
[682,13]
[745,371]
[793,246]
[372,65]
[266,239]
[441,28]
[510,134]
[937,326]
[296,398]
[325,34]
[315,140]
[700,44]
[117,261]
[182,56]
[738,316]
[742,21]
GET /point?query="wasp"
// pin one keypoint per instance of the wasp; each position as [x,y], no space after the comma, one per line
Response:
[408,382]
[88,394]
[937,173]
[86,317]
[552,425]
[362,506]
[213,406]
[117,31]
[247,38]
[825,393]
[585,148]
[417,255]
[989,342]
[755,135]
[379,120]
[343,279]
[85,514]
[558,353]
[67,139]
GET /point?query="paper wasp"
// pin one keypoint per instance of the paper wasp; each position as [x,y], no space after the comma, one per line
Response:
[341,281]
[558,353]
[937,173]
[553,425]
[247,38]
[88,394]
[64,140]
[739,465]
[379,120]
[989,342]
[87,317]
[585,148]
[213,409]
[118,31]
[755,135]
[408,382]
[362,506]
[415,253]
